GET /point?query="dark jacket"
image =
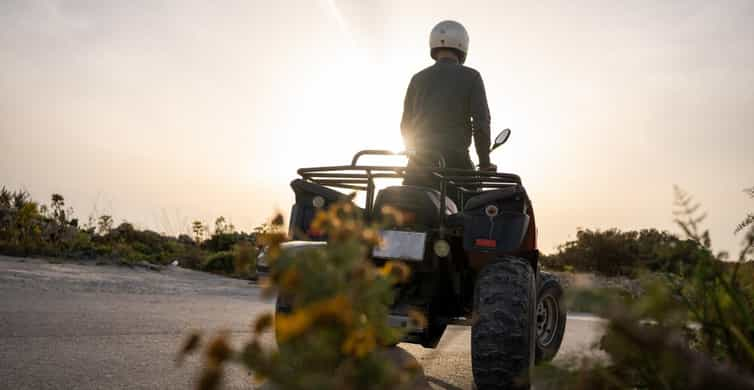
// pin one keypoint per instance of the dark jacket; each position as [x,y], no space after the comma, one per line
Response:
[445,105]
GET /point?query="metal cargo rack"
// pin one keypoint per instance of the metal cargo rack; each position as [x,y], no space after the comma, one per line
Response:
[361,177]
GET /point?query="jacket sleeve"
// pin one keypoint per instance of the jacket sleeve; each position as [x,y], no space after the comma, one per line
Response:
[480,113]
[408,116]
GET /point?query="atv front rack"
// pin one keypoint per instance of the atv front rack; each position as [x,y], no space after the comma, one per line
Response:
[361,177]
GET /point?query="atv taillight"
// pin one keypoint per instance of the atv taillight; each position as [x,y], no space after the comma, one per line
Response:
[485,243]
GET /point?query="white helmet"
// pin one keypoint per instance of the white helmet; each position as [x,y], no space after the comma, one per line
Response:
[449,34]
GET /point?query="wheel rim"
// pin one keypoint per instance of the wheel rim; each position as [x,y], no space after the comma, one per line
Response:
[547,320]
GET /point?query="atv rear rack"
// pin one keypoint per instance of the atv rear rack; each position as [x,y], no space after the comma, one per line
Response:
[361,177]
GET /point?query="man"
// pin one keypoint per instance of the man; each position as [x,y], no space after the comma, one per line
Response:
[445,106]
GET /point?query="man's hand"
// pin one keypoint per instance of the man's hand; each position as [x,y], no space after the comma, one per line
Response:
[489,168]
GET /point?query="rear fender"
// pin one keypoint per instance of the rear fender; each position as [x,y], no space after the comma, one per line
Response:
[310,198]
[496,221]
[500,222]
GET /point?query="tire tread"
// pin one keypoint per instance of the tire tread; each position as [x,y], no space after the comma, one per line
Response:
[502,333]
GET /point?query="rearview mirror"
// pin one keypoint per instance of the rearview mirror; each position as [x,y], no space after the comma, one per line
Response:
[501,139]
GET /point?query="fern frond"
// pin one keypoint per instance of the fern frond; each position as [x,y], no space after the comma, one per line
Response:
[749,220]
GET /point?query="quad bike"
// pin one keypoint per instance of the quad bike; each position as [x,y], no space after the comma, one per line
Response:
[473,262]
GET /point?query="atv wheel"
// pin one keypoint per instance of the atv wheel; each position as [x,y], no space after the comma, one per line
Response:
[503,331]
[551,317]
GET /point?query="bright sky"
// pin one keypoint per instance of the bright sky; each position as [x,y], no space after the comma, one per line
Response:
[162,112]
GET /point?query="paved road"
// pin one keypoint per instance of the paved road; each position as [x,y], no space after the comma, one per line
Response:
[65,326]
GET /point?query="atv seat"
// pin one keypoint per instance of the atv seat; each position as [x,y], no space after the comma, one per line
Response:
[492,196]
[423,201]
[483,199]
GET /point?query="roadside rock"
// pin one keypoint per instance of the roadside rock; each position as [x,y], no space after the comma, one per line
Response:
[150,266]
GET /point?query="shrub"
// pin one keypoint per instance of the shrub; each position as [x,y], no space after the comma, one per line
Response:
[245,260]
[21,224]
[191,258]
[82,246]
[185,239]
[221,262]
[27,229]
[104,224]
[332,339]
[225,241]
[200,231]
[616,253]
[693,329]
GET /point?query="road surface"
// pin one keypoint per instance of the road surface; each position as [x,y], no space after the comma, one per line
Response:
[84,326]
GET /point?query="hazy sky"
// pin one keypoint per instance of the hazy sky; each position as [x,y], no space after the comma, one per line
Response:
[162,112]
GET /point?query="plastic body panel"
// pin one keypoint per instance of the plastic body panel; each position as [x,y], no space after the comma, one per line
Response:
[496,221]
[304,210]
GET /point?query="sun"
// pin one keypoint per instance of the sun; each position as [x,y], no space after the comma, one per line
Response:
[335,115]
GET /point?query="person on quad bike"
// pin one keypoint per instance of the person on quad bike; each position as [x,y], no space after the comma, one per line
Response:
[445,106]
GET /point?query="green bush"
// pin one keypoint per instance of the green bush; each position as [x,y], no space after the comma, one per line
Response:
[220,242]
[245,259]
[594,300]
[28,229]
[82,246]
[616,253]
[191,257]
[692,329]
[221,262]
[334,336]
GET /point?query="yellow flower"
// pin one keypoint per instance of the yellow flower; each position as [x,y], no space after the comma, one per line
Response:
[370,236]
[289,279]
[397,216]
[386,269]
[257,378]
[334,219]
[272,241]
[349,226]
[418,319]
[278,220]
[396,269]
[319,224]
[338,308]
[265,284]
[218,350]
[288,326]
[191,343]
[262,323]
[364,271]
[359,342]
